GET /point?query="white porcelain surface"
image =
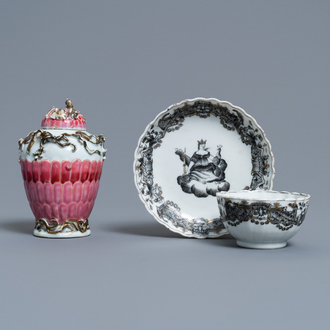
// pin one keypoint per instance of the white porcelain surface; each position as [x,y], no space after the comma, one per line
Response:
[262,219]
[53,151]
[192,150]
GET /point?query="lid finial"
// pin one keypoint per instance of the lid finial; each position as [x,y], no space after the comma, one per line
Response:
[67,118]
[69,104]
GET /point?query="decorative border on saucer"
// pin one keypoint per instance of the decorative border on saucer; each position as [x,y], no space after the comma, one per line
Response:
[232,118]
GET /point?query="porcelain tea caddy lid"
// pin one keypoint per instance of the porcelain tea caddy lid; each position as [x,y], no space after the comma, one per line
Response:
[67,118]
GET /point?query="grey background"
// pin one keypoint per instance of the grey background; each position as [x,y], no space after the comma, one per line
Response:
[122,62]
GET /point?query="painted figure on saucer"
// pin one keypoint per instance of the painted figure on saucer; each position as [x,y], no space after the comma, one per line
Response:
[203,174]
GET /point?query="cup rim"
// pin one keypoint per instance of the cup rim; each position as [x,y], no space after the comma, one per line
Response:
[253,195]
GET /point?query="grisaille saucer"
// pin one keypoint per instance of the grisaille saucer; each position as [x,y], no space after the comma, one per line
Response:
[193,150]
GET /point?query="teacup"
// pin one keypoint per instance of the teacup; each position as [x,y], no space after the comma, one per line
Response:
[262,219]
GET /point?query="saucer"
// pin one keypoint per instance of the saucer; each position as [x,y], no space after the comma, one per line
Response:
[193,150]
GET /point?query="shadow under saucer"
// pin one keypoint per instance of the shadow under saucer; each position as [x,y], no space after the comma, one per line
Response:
[153,230]
[143,229]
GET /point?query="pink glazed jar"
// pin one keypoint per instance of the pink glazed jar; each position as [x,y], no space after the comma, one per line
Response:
[61,166]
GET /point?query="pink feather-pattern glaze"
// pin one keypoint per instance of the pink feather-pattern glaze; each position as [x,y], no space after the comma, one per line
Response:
[61,190]
[66,123]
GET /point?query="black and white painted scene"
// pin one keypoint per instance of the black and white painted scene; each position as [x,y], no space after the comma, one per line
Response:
[196,161]
[203,173]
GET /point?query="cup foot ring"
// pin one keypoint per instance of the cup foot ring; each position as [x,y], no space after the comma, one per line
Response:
[266,246]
